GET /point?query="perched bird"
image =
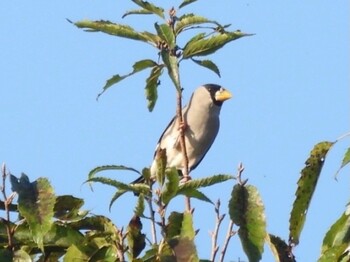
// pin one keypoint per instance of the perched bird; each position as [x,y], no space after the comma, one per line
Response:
[201,125]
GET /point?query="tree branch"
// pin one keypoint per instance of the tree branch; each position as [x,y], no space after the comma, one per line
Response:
[229,234]
[7,203]
[214,235]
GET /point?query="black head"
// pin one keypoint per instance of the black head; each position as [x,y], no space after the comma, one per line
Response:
[218,94]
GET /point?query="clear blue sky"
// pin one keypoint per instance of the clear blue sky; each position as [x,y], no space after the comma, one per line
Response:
[291,90]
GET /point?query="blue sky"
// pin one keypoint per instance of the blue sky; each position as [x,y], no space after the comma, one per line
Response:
[291,90]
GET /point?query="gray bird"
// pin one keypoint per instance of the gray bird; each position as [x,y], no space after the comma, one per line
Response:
[201,122]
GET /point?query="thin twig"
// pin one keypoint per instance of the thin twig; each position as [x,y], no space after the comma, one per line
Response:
[153,222]
[240,170]
[214,235]
[7,202]
[229,234]
[120,245]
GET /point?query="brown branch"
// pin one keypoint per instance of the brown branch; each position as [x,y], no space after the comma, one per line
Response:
[7,203]
[153,222]
[120,245]
[214,235]
[230,233]
[181,124]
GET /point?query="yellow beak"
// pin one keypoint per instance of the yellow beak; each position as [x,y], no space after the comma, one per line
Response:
[222,95]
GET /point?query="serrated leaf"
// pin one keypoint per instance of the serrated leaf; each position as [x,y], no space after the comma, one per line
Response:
[204,182]
[137,12]
[336,253]
[338,236]
[137,67]
[208,64]
[67,207]
[186,2]
[135,238]
[194,193]
[116,195]
[135,188]
[111,28]
[96,223]
[36,203]
[151,89]
[140,206]
[183,246]
[281,251]
[247,211]
[173,227]
[189,20]
[98,169]
[346,161]
[150,7]
[161,160]
[206,46]
[165,32]
[170,189]
[306,187]
[171,63]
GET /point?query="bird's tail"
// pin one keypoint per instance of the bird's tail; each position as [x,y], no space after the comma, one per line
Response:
[139,180]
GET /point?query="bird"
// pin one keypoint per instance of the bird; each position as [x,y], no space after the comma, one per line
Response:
[201,122]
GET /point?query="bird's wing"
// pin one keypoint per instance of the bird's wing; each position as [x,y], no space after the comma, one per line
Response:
[171,123]
[200,160]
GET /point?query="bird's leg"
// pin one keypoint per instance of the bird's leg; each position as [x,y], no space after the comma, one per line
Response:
[182,126]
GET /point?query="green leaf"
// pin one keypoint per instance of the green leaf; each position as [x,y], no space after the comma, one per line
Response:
[338,237]
[67,207]
[183,245]
[166,34]
[173,228]
[161,160]
[36,203]
[189,20]
[306,187]
[281,251]
[247,211]
[186,2]
[135,188]
[171,186]
[62,236]
[150,7]
[208,64]
[151,89]
[105,254]
[135,238]
[137,67]
[204,182]
[336,253]
[98,169]
[96,223]
[194,193]
[110,28]
[137,12]
[21,255]
[207,46]
[171,63]
[346,161]
[140,206]
[116,195]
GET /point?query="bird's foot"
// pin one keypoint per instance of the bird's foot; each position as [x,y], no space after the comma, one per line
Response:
[185,179]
